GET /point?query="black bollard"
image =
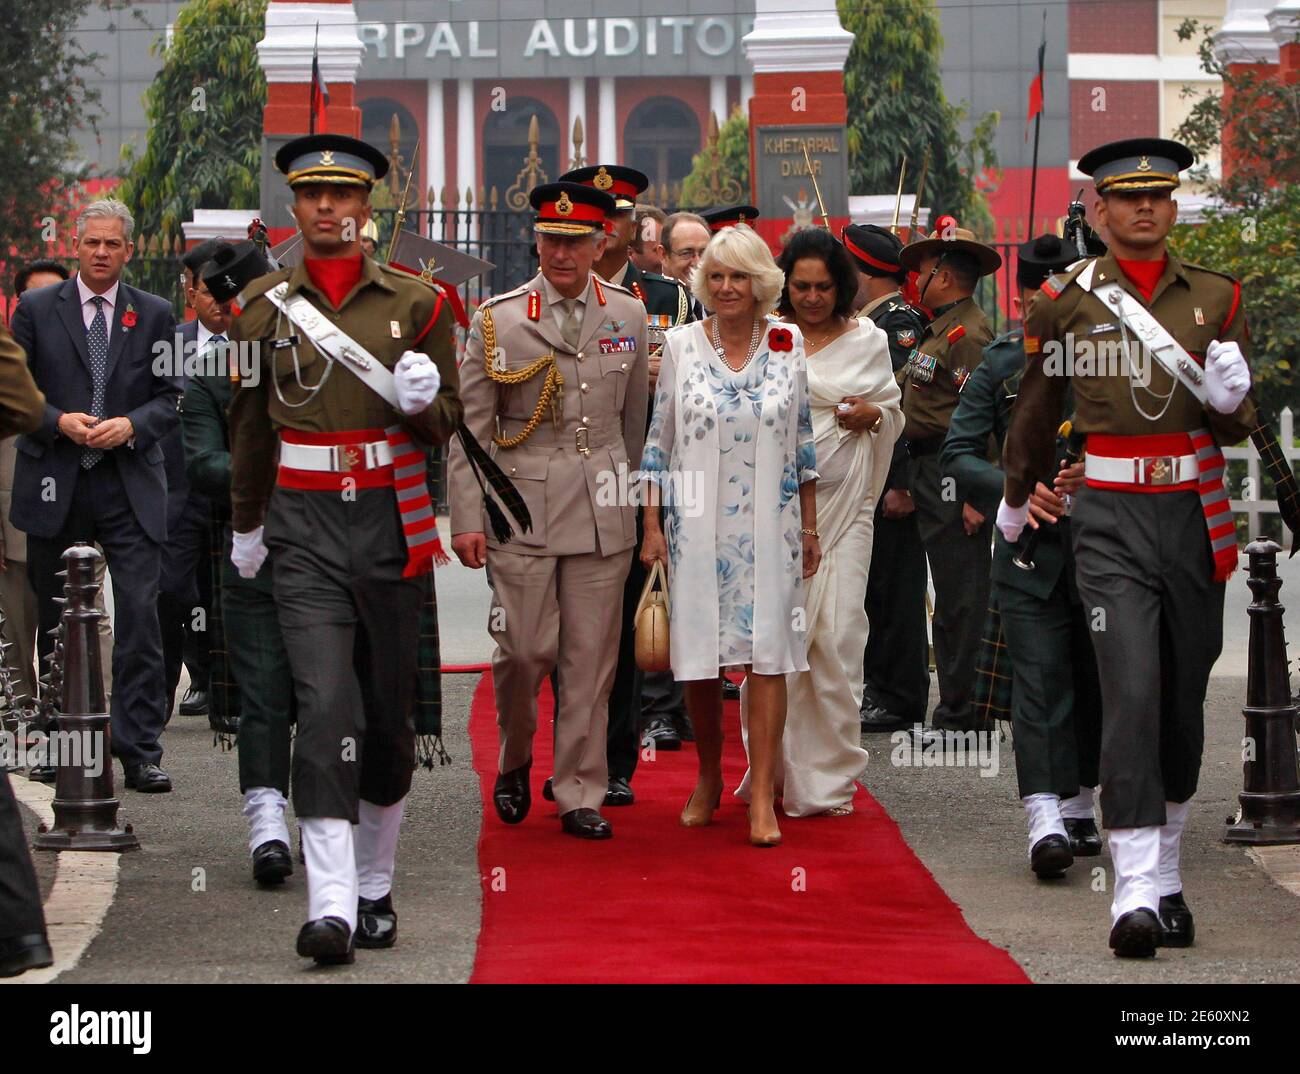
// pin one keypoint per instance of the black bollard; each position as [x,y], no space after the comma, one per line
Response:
[1270,803]
[85,808]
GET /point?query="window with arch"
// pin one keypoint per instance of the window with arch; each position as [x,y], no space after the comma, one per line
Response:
[376,126]
[661,137]
[505,142]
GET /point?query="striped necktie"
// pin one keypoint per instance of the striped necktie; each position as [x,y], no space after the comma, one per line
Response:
[97,345]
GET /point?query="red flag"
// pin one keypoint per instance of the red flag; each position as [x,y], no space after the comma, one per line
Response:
[320,97]
[1036,86]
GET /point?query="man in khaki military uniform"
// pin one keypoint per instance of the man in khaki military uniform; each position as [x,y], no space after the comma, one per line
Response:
[955,535]
[1153,530]
[555,372]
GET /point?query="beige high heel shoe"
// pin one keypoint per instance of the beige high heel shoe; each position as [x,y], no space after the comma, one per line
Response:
[702,817]
[762,839]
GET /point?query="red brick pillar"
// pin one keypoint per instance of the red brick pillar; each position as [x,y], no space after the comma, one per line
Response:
[1245,43]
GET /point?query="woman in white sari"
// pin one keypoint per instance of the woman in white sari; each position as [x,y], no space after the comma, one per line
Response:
[856,417]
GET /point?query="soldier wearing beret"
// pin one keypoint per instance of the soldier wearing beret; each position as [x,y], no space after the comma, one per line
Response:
[1152,348]
[955,534]
[896,672]
[555,372]
[356,367]
[1056,700]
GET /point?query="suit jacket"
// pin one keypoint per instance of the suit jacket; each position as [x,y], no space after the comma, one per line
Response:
[572,497]
[48,325]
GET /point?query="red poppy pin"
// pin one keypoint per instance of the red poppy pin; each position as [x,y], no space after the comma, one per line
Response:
[780,339]
[128,316]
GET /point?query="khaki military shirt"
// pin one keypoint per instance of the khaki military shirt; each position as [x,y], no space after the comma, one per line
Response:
[1072,337]
[22,405]
[388,312]
[571,467]
[950,349]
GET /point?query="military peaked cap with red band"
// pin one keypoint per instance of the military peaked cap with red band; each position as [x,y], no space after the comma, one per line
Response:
[624,185]
[570,208]
[717,219]
[874,248]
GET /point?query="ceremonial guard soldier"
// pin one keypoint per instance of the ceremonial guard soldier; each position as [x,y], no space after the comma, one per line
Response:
[1055,697]
[556,373]
[356,360]
[895,670]
[955,535]
[1153,350]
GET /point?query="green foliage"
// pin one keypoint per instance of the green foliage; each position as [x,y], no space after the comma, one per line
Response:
[897,106]
[725,181]
[204,108]
[44,101]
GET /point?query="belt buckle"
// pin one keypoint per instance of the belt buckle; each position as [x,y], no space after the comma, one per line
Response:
[1160,470]
[349,457]
[580,440]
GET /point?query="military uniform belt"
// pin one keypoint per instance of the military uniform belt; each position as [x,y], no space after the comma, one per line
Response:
[581,438]
[1158,463]
[361,457]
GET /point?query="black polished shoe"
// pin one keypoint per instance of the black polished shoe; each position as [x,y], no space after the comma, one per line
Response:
[586,824]
[194,703]
[730,691]
[512,795]
[18,954]
[147,778]
[1050,857]
[223,725]
[272,863]
[1085,840]
[376,922]
[619,792]
[1136,934]
[1176,924]
[548,789]
[662,734]
[42,773]
[877,720]
[328,940]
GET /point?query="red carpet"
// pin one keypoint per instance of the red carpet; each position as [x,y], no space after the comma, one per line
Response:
[663,904]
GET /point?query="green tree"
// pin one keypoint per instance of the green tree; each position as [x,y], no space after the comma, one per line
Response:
[897,106]
[720,176]
[204,108]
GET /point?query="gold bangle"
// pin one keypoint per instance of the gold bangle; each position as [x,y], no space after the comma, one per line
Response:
[812,533]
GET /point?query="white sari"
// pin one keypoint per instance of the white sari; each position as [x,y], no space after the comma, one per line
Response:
[822,756]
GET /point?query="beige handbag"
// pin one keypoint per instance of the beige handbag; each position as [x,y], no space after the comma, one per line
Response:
[652,622]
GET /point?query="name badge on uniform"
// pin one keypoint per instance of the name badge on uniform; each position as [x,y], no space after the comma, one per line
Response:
[1101,329]
[921,367]
[280,344]
[618,344]
[396,328]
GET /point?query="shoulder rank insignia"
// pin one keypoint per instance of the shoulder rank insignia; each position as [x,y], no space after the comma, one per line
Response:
[1053,286]
[1032,345]
[534,306]
[636,290]
[955,334]
[599,289]
[907,337]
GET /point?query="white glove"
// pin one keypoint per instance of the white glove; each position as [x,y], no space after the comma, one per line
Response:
[248,553]
[1227,376]
[1011,520]
[417,381]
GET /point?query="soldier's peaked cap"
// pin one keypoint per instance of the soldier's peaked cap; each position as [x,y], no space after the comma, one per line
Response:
[570,208]
[331,158]
[624,185]
[1136,164]
[717,219]
[875,249]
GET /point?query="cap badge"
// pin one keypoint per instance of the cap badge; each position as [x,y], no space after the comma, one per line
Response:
[1144,165]
[603,180]
[327,157]
[564,206]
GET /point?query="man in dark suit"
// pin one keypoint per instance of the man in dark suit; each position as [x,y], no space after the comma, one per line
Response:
[93,471]
[185,590]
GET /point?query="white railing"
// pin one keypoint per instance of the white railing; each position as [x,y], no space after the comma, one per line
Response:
[1251,505]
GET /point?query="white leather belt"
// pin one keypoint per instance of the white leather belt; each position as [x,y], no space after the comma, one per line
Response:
[336,458]
[1147,470]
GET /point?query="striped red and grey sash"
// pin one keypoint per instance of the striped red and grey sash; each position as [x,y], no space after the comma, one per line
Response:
[419,523]
[1214,502]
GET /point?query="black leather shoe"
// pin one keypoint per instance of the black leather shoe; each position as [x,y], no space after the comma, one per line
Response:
[328,940]
[194,703]
[512,795]
[147,778]
[42,773]
[1177,927]
[586,824]
[1136,934]
[1050,857]
[619,792]
[548,789]
[662,734]
[376,922]
[18,954]
[223,725]
[272,863]
[730,691]
[878,720]
[1085,840]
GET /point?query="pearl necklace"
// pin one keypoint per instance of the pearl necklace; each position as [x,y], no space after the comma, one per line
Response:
[722,352]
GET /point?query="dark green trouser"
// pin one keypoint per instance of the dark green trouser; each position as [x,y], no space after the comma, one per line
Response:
[260,666]
[896,664]
[960,566]
[1056,698]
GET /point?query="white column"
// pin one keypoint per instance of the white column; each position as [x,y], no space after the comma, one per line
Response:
[291,34]
[435,139]
[1244,36]
[577,110]
[718,97]
[607,108]
[809,38]
[466,137]
[746,92]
